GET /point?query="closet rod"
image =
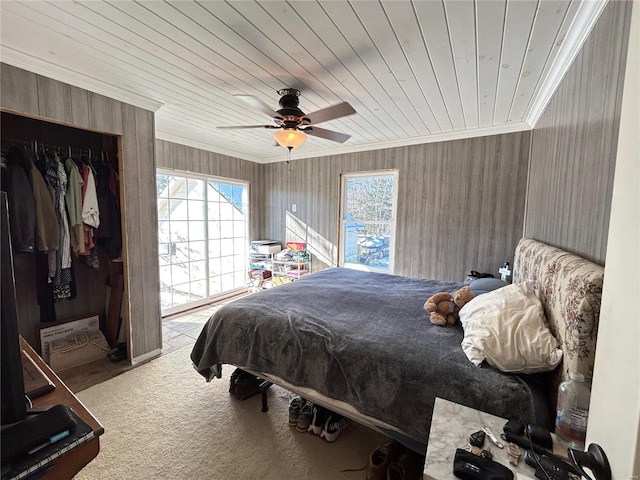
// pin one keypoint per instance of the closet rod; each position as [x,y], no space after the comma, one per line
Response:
[38,144]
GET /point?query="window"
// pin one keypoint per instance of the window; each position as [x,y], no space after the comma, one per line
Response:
[202,239]
[368,220]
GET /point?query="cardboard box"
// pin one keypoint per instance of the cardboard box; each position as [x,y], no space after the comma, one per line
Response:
[64,329]
[265,246]
[77,349]
[280,280]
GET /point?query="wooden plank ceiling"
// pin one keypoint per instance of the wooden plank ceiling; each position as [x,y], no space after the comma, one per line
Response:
[415,71]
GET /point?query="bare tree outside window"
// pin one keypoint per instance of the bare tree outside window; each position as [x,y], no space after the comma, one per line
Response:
[368,219]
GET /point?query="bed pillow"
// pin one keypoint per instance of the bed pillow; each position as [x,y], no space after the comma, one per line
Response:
[486,285]
[506,327]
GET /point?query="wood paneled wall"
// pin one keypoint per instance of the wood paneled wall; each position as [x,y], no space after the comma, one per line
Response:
[40,97]
[460,203]
[573,148]
[188,159]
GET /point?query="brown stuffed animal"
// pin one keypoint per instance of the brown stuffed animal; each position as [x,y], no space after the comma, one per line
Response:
[461,297]
[444,307]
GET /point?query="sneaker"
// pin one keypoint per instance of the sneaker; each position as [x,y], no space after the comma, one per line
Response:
[408,466]
[304,417]
[319,419]
[334,425]
[294,410]
[380,459]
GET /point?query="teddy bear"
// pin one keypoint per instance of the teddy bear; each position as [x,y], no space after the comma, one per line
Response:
[444,307]
[462,296]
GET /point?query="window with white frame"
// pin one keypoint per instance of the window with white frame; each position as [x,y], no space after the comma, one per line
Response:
[368,220]
[202,239]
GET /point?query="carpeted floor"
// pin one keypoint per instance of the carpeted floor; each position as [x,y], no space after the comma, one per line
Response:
[164,421]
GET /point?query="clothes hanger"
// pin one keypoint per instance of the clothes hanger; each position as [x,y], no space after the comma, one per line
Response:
[86,156]
[36,150]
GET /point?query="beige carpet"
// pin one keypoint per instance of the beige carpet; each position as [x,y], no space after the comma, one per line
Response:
[164,421]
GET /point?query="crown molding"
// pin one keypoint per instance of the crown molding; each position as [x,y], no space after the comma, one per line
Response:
[300,154]
[42,67]
[587,16]
[172,137]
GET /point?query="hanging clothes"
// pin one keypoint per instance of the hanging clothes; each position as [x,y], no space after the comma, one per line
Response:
[90,216]
[65,247]
[47,236]
[90,208]
[114,185]
[108,234]
[22,211]
[44,288]
[60,260]
[73,200]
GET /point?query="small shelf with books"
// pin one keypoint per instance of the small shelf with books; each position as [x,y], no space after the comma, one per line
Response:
[269,268]
[294,269]
[260,265]
[291,263]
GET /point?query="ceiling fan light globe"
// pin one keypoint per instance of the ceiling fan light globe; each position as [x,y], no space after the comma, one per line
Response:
[290,138]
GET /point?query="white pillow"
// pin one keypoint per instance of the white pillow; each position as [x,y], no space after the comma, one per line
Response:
[506,328]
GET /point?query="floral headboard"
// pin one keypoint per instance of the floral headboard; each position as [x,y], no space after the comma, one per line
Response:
[570,289]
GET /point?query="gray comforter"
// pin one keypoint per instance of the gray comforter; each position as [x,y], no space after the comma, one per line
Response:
[362,338]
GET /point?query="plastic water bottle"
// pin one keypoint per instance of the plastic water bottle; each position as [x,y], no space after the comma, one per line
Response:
[573,411]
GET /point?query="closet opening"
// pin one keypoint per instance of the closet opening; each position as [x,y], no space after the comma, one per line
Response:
[64,196]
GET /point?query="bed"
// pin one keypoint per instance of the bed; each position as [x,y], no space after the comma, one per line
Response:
[360,343]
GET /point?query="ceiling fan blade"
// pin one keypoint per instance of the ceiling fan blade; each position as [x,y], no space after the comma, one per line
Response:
[335,111]
[249,126]
[328,134]
[257,104]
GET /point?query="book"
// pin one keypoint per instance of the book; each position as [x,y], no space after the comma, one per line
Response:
[30,464]
[36,383]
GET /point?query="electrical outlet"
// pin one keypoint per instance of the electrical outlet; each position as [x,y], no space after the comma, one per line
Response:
[293,208]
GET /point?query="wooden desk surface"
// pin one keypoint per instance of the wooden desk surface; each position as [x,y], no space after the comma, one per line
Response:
[69,464]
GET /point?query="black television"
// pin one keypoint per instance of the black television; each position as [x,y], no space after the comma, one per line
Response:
[14,406]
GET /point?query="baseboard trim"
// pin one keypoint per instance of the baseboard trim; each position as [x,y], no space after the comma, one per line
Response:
[146,357]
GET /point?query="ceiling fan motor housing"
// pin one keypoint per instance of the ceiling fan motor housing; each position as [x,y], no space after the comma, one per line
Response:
[290,115]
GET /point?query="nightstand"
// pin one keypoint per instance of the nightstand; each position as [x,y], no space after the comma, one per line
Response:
[450,426]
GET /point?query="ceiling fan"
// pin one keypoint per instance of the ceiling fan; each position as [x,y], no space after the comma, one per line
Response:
[293,124]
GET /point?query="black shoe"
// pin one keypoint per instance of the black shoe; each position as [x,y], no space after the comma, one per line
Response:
[334,425]
[234,378]
[247,386]
[319,419]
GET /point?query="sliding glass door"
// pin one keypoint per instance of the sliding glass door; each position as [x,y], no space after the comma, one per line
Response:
[202,237]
